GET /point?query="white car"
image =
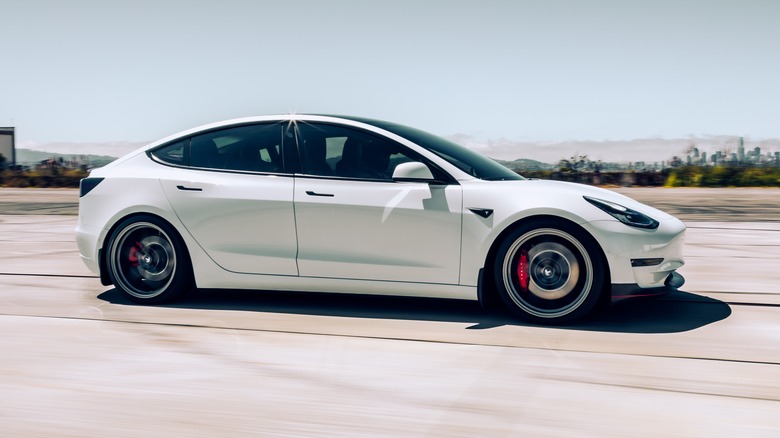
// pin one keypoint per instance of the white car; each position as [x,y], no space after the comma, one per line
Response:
[354,205]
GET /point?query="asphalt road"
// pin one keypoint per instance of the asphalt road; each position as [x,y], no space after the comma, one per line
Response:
[76,359]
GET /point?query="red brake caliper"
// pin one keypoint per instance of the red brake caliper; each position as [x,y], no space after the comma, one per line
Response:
[133,256]
[522,270]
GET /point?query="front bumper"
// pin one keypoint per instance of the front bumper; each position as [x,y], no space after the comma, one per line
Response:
[673,282]
[645,258]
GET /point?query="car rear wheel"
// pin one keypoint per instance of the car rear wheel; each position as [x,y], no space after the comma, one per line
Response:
[549,272]
[147,260]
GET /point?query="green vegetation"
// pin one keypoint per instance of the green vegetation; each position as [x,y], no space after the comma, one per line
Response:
[48,170]
[31,158]
[575,164]
[723,176]
[44,178]
[684,176]
[581,170]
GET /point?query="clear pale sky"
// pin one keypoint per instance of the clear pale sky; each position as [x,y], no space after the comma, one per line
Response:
[548,70]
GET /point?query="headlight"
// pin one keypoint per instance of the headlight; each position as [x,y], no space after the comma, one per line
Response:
[623,214]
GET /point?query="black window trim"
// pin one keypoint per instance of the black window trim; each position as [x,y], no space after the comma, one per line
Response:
[412,154]
[188,139]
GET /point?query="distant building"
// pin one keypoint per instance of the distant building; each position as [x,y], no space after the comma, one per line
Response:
[8,145]
[740,157]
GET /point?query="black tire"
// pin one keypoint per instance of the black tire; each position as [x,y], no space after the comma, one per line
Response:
[147,260]
[549,272]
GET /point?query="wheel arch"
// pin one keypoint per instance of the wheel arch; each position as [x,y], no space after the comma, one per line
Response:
[488,292]
[105,277]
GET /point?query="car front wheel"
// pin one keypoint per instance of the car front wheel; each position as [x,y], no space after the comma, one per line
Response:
[147,260]
[549,272]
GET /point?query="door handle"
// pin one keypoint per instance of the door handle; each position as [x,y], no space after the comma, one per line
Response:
[189,189]
[327,195]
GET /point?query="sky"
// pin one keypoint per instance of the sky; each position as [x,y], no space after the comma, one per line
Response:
[515,71]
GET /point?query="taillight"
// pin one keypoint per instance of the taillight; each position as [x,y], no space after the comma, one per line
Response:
[87,184]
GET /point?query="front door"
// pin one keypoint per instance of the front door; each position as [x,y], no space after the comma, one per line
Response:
[354,222]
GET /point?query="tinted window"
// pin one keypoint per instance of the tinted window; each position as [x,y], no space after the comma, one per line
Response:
[465,159]
[173,153]
[331,150]
[256,148]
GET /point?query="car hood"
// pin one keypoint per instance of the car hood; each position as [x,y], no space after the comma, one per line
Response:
[573,192]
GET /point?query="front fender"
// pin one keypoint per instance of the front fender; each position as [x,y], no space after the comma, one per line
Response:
[510,204]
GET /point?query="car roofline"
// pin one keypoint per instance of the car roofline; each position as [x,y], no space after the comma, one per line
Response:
[292,117]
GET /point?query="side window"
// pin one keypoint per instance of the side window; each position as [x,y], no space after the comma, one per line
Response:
[330,150]
[255,148]
[173,153]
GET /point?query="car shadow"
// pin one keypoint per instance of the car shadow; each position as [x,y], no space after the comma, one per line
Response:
[673,313]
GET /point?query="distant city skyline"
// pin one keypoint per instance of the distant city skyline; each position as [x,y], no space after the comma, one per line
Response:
[516,72]
[648,150]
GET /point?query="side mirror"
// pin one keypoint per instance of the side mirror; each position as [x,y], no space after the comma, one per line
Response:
[412,171]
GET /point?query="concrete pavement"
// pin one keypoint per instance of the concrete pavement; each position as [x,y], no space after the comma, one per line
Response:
[77,359]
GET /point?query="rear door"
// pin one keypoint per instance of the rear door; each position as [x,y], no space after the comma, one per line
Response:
[235,198]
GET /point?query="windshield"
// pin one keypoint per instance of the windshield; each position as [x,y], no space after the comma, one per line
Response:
[473,163]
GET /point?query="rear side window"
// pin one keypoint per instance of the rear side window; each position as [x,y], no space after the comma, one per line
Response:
[174,153]
[255,148]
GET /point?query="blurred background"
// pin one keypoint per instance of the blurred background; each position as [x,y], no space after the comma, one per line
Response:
[614,81]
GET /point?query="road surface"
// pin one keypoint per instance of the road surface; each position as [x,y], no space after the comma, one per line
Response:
[76,359]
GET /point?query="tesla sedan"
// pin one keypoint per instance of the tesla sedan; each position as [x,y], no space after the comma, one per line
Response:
[347,204]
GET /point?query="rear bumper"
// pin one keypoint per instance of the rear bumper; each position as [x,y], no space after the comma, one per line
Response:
[88,241]
[623,291]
